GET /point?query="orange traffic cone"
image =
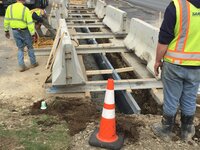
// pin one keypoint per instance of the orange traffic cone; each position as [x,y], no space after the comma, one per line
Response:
[106,136]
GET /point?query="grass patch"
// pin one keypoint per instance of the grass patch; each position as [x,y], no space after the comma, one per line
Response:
[44,133]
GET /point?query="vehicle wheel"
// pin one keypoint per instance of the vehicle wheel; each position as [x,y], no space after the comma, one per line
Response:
[43,3]
[37,4]
[2,10]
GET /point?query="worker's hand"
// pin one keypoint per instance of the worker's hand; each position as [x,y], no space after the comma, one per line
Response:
[38,25]
[7,35]
[157,65]
[34,38]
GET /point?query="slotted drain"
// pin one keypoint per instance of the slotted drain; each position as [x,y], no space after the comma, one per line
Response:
[76,16]
[86,16]
[89,22]
[78,22]
[81,30]
[102,40]
[85,41]
[74,12]
[95,29]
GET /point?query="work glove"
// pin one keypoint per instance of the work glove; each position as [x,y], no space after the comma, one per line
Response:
[7,34]
[38,25]
[34,38]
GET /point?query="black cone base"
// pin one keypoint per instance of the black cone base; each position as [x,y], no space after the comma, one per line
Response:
[93,141]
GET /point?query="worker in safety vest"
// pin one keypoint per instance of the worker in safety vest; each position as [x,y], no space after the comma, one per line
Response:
[19,19]
[178,53]
[39,17]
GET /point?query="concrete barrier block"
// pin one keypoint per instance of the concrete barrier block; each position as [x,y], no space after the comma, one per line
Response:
[142,39]
[91,3]
[63,9]
[66,2]
[100,9]
[59,67]
[115,19]
[53,18]
[66,69]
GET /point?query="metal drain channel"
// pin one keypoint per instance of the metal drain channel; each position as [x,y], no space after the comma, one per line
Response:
[124,100]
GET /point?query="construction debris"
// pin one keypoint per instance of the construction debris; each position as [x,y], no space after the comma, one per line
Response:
[79,2]
[43,42]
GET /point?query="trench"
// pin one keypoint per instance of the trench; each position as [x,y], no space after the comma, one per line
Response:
[86,111]
[125,102]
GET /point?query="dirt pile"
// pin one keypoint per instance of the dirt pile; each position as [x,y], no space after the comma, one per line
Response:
[76,112]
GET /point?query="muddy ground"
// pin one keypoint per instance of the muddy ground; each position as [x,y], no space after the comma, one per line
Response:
[68,121]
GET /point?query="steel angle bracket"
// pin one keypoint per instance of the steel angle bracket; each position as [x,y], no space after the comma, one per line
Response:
[95,86]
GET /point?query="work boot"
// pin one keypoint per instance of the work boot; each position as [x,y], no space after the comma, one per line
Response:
[164,128]
[187,127]
[23,68]
[34,65]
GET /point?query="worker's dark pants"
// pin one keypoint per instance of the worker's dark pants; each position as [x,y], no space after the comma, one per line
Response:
[180,86]
[48,27]
[23,38]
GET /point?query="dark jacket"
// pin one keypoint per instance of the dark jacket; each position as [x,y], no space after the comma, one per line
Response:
[37,18]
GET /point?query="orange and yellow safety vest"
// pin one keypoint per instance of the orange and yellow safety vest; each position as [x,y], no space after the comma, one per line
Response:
[184,49]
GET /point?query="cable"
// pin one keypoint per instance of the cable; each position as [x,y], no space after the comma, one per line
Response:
[75,42]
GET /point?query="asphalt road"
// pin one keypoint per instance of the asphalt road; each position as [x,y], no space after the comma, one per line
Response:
[158,5]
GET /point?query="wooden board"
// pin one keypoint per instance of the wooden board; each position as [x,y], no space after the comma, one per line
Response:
[141,72]
[77,1]
[108,71]
[54,48]
[54,54]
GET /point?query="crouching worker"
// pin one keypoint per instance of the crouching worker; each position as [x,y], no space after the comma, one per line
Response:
[40,18]
[18,17]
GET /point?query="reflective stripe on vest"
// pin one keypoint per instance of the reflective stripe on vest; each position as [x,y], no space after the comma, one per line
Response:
[183,56]
[184,25]
[16,19]
[178,51]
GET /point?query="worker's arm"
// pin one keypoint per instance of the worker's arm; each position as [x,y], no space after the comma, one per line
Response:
[30,22]
[7,20]
[160,53]
[166,35]
[37,18]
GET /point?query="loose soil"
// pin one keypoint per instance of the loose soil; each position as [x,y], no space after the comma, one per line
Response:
[76,112]
[71,109]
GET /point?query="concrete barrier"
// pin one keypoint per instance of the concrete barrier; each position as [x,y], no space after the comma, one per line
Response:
[142,39]
[100,9]
[91,3]
[53,18]
[115,19]
[66,68]
[58,11]
[63,9]
[59,66]
[66,2]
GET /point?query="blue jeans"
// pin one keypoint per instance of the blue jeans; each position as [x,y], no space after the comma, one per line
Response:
[180,86]
[23,38]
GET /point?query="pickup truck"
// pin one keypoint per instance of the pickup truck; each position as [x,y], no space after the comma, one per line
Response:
[29,3]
